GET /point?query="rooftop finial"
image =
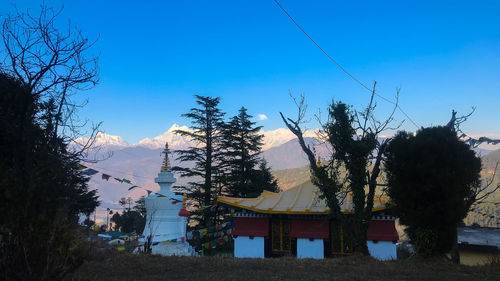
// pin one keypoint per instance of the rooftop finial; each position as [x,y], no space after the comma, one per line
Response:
[166,164]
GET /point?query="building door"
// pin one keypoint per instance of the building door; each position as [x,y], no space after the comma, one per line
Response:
[281,239]
[340,239]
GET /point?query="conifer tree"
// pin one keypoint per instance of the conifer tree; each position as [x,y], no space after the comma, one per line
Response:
[243,143]
[206,131]
[265,179]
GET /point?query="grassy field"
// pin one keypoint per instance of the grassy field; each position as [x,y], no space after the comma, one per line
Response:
[124,267]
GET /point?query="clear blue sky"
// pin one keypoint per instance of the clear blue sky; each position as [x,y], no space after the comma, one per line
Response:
[155,55]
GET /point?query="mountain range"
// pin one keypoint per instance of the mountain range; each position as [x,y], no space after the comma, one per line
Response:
[140,162]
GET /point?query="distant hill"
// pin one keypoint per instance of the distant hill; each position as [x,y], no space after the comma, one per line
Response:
[290,155]
[292,177]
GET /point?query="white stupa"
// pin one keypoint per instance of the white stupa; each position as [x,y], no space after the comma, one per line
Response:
[164,225]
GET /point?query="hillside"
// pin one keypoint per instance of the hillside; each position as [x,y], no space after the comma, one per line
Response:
[292,177]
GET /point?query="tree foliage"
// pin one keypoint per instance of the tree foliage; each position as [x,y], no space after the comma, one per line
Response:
[353,139]
[432,180]
[133,217]
[207,126]
[42,191]
[248,175]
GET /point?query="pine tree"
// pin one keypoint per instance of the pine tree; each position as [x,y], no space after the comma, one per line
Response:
[206,131]
[243,144]
[265,179]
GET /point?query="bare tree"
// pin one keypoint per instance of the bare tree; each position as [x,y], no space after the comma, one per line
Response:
[483,191]
[53,63]
[359,132]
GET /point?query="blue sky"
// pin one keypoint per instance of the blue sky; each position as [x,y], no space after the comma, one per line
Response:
[155,55]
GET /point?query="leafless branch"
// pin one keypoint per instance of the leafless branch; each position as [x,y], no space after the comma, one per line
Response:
[53,63]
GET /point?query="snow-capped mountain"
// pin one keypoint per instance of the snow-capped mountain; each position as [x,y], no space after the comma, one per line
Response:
[102,143]
[141,162]
[103,139]
[271,139]
[174,141]
[280,136]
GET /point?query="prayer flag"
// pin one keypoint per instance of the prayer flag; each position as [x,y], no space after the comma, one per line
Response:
[126,181]
[90,172]
[118,179]
[160,195]
[148,191]
[105,176]
[81,167]
[134,186]
[175,201]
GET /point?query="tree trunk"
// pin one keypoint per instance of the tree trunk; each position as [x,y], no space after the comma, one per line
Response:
[455,254]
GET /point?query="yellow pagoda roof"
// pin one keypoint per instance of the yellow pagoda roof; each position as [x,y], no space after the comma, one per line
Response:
[302,199]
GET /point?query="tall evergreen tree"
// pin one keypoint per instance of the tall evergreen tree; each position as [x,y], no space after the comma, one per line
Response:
[247,174]
[264,178]
[207,132]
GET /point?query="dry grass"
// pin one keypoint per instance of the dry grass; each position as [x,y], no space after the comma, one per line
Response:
[124,267]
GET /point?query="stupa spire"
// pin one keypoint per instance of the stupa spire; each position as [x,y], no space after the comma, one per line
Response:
[166,163]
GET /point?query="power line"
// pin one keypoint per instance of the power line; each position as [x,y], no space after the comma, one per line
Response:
[343,69]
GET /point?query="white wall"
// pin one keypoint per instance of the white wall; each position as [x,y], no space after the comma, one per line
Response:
[382,250]
[310,249]
[244,247]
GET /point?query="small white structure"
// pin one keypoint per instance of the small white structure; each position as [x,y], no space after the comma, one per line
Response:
[382,250]
[310,248]
[248,247]
[163,223]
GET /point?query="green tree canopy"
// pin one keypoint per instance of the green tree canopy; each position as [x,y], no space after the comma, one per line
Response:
[432,181]
[207,125]
[247,174]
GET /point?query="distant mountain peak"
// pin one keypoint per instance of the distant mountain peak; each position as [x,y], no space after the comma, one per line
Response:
[177,127]
[103,139]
